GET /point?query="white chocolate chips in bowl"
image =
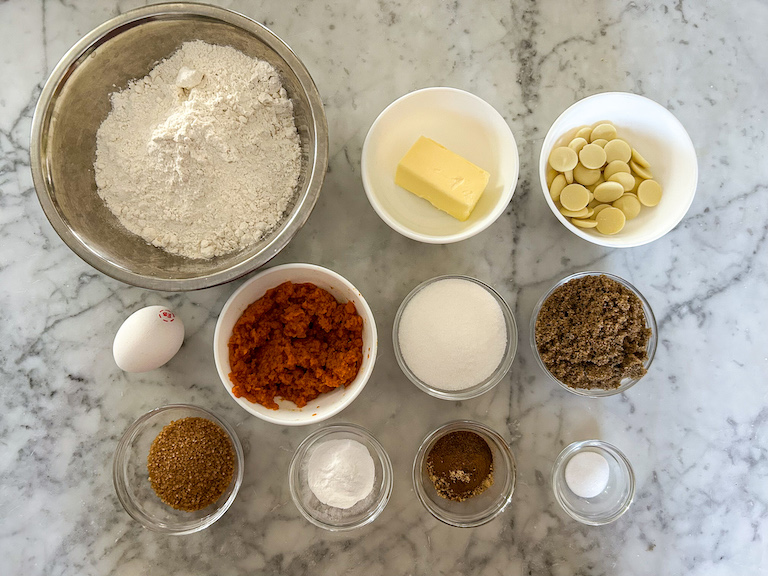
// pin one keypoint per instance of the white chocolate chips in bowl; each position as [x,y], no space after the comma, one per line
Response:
[603,154]
[599,181]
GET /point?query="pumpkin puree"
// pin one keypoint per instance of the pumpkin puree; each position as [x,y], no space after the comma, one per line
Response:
[295,342]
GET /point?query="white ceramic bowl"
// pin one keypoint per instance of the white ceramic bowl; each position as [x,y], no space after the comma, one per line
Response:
[463,123]
[328,404]
[658,136]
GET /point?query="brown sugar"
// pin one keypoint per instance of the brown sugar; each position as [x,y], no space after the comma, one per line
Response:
[591,332]
[460,465]
[190,463]
[296,342]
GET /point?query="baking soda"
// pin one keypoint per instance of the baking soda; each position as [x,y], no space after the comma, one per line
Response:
[340,473]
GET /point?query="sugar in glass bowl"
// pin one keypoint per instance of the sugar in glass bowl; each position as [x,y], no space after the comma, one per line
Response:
[329,517]
[482,386]
[650,320]
[75,100]
[479,509]
[131,477]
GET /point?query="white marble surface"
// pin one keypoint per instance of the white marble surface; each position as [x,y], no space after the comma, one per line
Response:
[696,429]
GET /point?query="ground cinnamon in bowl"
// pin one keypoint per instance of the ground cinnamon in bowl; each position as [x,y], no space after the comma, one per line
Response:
[295,342]
[460,465]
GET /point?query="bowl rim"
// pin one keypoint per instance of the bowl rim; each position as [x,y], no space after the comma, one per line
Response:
[491,381]
[576,447]
[44,108]
[481,225]
[386,471]
[650,321]
[119,482]
[365,312]
[501,445]
[610,241]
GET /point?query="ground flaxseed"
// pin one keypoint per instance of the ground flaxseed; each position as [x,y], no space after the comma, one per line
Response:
[190,463]
[591,332]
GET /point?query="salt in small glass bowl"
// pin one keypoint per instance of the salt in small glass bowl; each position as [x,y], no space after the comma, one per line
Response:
[329,517]
[612,502]
[650,322]
[481,387]
[479,509]
[131,477]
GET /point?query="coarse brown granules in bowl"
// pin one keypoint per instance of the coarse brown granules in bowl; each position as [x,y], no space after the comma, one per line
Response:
[594,334]
[131,474]
[190,463]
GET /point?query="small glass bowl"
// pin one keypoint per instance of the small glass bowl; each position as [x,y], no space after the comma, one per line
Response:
[131,477]
[650,321]
[479,509]
[480,387]
[612,502]
[330,517]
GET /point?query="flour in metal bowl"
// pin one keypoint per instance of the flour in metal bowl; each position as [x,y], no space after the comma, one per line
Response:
[201,157]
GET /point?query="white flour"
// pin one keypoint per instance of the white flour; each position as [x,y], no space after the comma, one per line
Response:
[201,157]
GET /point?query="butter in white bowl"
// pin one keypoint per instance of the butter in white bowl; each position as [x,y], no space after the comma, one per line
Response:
[464,124]
[446,180]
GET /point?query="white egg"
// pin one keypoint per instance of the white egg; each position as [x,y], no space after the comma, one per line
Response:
[148,338]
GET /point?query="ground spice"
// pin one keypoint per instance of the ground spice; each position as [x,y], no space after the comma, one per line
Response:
[460,465]
[296,342]
[591,333]
[191,463]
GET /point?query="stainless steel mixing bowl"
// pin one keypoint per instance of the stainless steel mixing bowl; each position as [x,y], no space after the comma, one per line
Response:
[75,101]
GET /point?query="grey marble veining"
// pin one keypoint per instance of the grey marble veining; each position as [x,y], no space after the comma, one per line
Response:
[696,429]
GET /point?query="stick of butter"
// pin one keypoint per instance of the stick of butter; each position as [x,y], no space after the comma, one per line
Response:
[450,182]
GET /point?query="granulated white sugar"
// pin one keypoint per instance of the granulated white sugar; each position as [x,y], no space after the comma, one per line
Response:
[452,334]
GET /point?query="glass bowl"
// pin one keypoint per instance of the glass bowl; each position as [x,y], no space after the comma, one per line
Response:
[479,509]
[330,517]
[480,387]
[131,477]
[650,321]
[612,502]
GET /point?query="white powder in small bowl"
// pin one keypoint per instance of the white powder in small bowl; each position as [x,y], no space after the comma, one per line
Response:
[340,473]
[452,334]
[201,157]
[587,474]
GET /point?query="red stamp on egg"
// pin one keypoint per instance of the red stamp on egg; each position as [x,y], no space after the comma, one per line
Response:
[166,316]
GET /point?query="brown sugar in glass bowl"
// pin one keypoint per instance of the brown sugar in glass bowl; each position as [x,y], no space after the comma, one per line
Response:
[295,342]
[594,334]
[190,463]
[130,473]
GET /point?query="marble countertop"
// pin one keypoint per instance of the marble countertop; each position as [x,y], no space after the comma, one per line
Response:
[695,429]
